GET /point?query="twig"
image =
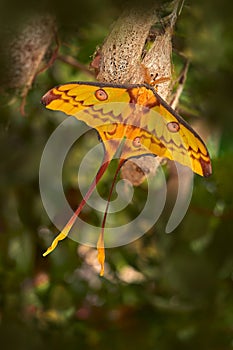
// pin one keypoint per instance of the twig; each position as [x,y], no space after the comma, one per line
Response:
[73,62]
[181,82]
[172,17]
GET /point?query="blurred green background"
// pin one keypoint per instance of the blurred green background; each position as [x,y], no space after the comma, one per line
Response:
[162,291]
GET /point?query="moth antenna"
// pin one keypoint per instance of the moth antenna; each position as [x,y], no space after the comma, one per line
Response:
[100,243]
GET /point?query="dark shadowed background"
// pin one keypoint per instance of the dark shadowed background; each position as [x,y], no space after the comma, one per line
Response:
[161,292]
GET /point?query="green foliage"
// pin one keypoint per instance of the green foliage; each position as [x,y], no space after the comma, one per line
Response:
[162,291]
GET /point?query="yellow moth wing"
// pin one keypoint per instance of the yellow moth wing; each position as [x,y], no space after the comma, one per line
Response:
[160,129]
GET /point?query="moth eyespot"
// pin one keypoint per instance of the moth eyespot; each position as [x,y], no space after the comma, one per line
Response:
[173,126]
[101,95]
[137,142]
[111,129]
